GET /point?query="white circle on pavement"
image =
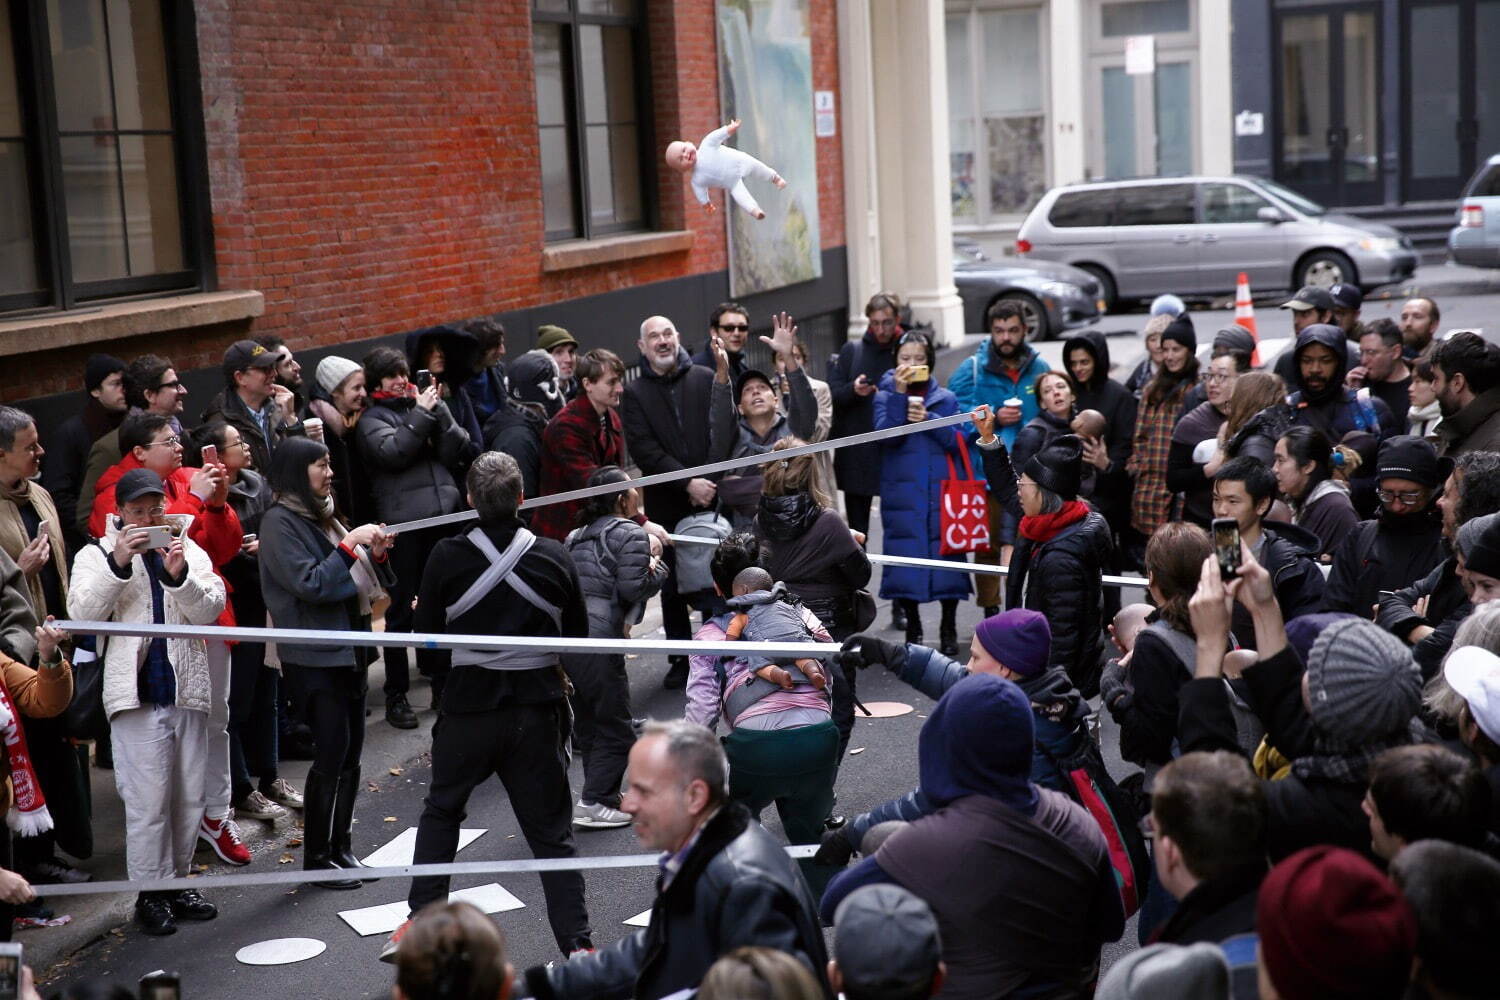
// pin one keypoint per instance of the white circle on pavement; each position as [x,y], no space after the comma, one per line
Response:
[280,951]
[887,709]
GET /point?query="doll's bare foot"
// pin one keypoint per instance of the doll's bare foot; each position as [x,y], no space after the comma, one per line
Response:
[760,214]
[709,208]
[734,125]
[779,181]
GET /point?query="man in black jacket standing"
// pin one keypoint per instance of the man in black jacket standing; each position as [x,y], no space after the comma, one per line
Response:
[665,414]
[503,713]
[724,882]
[854,378]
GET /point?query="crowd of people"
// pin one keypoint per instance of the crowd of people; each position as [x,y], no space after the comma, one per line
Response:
[1314,707]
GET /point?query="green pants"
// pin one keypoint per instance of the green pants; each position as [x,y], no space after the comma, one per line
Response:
[793,768]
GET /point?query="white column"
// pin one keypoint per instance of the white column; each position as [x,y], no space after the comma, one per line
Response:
[1069,67]
[861,170]
[1216,95]
[913,191]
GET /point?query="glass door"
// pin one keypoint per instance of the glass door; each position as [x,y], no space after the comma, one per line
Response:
[1451,104]
[1328,105]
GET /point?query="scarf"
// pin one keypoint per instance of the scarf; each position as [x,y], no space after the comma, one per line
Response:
[366,581]
[14,537]
[28,815]
[1045,527]
[1336,761]
[98,421]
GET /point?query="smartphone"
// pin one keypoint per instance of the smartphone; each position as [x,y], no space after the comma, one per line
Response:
[918,373]
[42,529]
[10,970]
[424,379]
[1227,546]
[158,536]
[161,985]
[247,539]
[210,454]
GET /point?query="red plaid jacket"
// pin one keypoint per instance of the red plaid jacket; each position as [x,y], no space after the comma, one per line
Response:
[575,443]
[1152,504]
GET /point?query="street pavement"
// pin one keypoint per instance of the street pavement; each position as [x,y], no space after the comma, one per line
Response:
[101,943]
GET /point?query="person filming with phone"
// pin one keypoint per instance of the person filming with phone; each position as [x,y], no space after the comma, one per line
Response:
[147,568]
[1243,492]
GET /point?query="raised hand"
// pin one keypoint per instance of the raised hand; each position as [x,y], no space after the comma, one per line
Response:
[984,422]
[783,338]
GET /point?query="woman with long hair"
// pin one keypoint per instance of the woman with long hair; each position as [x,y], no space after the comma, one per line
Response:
[1305,467]
[620,568]
[317,573]
[1151,505]
[911,489]
[1257,417]
[1198,432]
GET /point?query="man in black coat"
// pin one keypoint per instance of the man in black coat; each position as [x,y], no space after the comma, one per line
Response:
[665,414]
[854,377]
[503,713]
[68,446]
[1087,357]
[729,328]
[725,883]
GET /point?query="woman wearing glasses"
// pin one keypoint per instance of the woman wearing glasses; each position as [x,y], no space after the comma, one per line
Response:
[1191,464]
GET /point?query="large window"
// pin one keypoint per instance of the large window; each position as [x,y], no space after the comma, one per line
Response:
[101,189]
[997,117]
[592,139]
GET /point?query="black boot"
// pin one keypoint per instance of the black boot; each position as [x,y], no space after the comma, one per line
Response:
[898,616]
[913,622]
[341,840]
[948,630]
[318,795]
[677,673]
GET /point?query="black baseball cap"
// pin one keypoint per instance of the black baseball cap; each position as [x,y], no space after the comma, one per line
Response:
[244,354]
[1310,297]
[138,483]
[746,377]
[1346,296]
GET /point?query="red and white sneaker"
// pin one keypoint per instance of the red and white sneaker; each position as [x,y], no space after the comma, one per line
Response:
[393,943]
[223,835]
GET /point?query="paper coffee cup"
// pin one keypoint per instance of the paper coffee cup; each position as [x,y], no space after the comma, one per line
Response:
[313,426]
[1014,401]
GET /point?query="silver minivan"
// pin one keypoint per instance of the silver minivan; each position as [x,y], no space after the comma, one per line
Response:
[1476,239]
[1194,235]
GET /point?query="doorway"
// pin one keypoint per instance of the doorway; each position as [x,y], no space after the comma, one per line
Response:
[1451,97]
[1328,104]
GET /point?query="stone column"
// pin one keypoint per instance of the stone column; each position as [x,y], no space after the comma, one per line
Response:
[857,119]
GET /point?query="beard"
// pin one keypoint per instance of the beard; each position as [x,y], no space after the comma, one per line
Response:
[1008,350]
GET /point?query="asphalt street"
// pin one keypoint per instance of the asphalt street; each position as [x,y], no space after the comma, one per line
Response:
[882,764]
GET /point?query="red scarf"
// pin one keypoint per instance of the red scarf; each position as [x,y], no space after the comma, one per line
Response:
[1045,527]
[28,814]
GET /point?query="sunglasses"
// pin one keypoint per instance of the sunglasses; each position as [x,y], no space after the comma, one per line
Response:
[735,327]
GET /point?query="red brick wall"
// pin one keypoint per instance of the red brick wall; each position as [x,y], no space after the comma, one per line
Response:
[373,166]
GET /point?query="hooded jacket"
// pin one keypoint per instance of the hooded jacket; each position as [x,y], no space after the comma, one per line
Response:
[1328,513]
[812,550]
[1385,554]
[911,489]
[1447,607]
[667,430]
[1061,580]
[1111,494]
[516,429]
[857,468]
[460,364]
[984,378]
[613,559]
[1257,439]
[1289,554]
[731,436]
[411,455]
[1184,475]
[1335,410]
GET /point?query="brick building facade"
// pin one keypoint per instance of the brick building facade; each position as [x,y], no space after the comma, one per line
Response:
[372,168]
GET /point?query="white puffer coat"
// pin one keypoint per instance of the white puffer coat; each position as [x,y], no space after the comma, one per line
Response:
[97,593]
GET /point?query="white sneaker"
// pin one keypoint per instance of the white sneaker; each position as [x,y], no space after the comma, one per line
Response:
[257,806]
[283,794]
[596,816]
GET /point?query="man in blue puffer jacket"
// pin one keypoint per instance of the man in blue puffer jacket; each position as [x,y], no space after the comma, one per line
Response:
[1016,645]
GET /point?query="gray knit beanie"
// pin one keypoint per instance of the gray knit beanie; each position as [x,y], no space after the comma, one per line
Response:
[1183,972]
[1478,542]
[332,371]
[1362,682]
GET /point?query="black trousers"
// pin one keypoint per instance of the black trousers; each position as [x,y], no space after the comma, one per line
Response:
[602,732]
[336,713]
[857,510]
[408,561]
[522,745]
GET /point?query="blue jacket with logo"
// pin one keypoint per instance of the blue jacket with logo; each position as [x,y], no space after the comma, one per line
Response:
[981,379]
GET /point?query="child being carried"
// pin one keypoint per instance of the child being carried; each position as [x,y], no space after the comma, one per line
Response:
[763,613]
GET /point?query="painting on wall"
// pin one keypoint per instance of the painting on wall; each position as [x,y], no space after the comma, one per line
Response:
[765,80]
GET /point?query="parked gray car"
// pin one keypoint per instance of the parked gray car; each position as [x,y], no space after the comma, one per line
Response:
[1476,239]
[1054,298]
[1193,236]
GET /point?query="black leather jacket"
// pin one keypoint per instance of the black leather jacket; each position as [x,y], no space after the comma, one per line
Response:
[736,887]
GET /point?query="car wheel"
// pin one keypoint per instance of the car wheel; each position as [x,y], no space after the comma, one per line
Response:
[1107,290]
[1324,269]
[1037,327]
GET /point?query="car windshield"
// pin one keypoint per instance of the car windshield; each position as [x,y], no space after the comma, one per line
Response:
[1301,204]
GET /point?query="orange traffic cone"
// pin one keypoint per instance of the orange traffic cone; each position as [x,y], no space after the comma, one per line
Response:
[1244,313]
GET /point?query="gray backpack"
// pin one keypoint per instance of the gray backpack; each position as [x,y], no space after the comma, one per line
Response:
[693,559]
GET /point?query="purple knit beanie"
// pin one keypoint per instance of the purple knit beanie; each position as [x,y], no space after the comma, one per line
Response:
[1020,639]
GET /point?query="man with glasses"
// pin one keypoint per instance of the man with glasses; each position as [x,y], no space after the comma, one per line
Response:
[1382,371]
[1401,545]
[151,386]
[68,446]
[730,325]
[854,377]
[156,691]
[253,402]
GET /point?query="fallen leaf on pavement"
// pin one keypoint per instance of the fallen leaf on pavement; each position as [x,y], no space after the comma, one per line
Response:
[294,842]
[285,859]
[856,750]
[396,770]
[390,819]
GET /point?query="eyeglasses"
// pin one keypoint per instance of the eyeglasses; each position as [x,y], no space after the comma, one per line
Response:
[1220,376]
[174,386]
[156,511]
[1408,497]
[884,324]
[170,442]
[735,327]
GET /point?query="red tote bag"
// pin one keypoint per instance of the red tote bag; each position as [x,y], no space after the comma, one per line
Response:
[965,523]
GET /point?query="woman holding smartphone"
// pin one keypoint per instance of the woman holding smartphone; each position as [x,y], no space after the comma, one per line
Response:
[911,484]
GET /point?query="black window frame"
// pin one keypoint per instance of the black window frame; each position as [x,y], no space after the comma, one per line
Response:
[37,92]
[570,21]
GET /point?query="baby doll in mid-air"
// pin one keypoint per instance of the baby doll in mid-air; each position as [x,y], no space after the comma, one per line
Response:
[715,165]
[1089,424]
[763,614]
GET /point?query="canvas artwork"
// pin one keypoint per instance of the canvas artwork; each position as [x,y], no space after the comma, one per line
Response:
[765,80]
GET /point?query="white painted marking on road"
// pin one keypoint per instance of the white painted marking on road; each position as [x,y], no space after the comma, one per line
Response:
[640,920]
[280,951]
[402,848]
[491,898]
